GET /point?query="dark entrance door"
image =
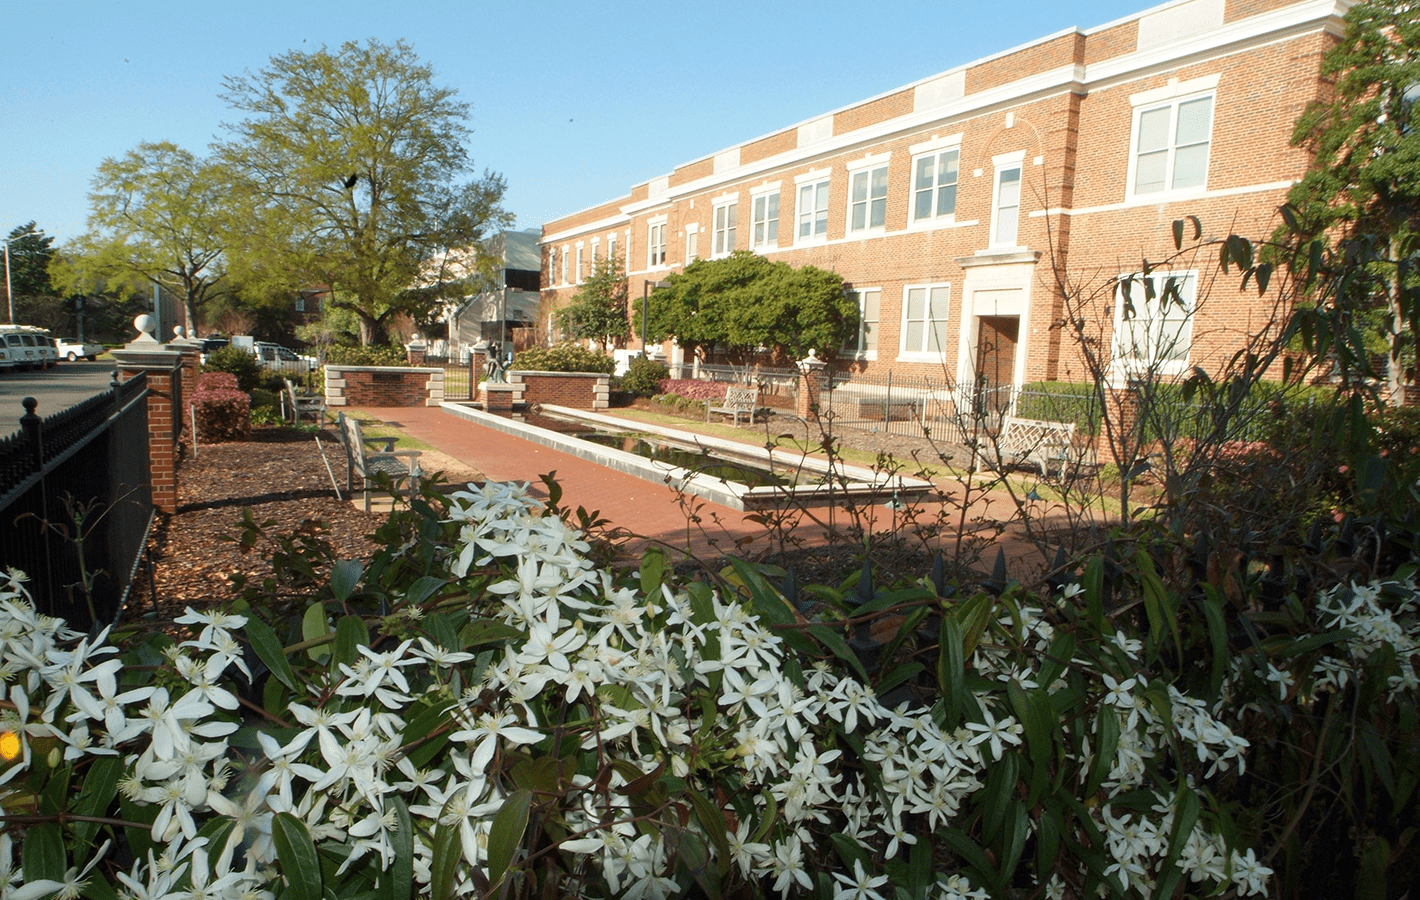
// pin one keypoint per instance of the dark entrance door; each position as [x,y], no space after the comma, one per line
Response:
[996,341]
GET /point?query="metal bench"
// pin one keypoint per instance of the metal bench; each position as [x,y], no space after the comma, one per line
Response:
[1045,444]
[296,405]
[398,465]
[739,401]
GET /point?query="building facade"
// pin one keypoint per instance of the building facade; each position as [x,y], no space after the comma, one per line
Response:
[963,209]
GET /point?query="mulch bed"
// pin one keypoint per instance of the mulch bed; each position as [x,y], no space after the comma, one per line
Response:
[279,475]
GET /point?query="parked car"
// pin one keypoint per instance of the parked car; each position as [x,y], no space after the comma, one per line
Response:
[70,349]
[212,343]
[274,356]
[28,347]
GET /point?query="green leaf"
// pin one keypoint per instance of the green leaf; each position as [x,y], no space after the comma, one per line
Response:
[296,852]
[1178,234]
[269,650]
[482,632]
[350,635]
[422,589]
[850,851]
[344,576]
[1106,746]
[95,798]
[43,855]
[964,847]
[951,670]
[653,570]
[506,833]
[1093,585]
[443,871]
[712,822]
[419,723]
[1217,637]
[314,627]
[835,642]
[397,882]
[1158,605]
[1013,840]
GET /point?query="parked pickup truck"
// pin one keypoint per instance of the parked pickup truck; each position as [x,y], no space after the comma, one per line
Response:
[71,349]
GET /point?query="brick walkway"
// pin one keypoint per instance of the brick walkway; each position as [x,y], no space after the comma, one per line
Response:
[650,511]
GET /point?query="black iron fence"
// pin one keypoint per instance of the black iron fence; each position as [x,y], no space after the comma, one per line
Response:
[76,503]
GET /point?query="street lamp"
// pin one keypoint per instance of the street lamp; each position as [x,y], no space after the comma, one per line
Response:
[646,287]
[9,294]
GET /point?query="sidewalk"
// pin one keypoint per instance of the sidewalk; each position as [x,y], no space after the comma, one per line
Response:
[652,512]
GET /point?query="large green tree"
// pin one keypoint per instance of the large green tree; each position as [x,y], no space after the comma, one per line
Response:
[751,304]
[1363,188]
[598,310]
[352,174]
[32,299]
[156,214]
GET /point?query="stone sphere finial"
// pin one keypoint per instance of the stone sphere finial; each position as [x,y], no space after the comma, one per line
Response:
[146,324]
[179,332]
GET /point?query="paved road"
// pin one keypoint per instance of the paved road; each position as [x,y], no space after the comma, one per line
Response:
[56,389]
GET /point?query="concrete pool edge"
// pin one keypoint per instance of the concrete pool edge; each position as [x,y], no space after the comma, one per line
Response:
[866,485]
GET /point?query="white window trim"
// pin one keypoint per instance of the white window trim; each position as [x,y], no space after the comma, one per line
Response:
[812,177]
[651,225]
[903,353]
[566,255]
[611,246]
[1175,94]
[692,234]
[578,269]
[860,353]
[723,202]
[867,164]
[765,191]
[1004,161]
[933,149]
[1120,366]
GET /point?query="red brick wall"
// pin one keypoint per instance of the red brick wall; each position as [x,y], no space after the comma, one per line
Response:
[164,429]
[579,390]
[371,386]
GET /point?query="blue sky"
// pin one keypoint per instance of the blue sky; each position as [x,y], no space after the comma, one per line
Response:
[572,102]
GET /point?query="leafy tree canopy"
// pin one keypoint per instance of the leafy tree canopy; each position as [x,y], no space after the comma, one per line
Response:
[30,252]
[748,303]
[156,214]
[349,163]
[598,311]
[1364,183]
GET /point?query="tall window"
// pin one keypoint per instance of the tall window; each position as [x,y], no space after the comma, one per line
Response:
[656,245]
[577,270]
[867,199]
[813,210]
[934,185]
[1153,321]
[1171,144]
[551,266]
[692,244]
[611,247]
[566,256]
[725,218]
[766,221]
[1006,209]
[924,319]
[865,341]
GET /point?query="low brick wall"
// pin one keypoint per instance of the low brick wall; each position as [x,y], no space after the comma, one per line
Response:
[579,390]
[383,386]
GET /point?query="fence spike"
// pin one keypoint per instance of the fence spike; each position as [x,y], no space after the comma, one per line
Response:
[997,584]
[865,582]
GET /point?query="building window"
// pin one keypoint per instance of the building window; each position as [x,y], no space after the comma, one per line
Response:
[656,245]
[577,272]
[934,185]
[300,303]
[1170,148]
[596,248]
[725,218]
[551,266]
[1006,206]
[924,319]
[1153,321]
[867,199]
[566,256]
[692,243]
[611,247]
[813,211]
[766,221]
[865,342]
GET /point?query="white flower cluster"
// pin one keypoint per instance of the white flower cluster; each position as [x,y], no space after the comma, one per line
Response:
[1375,614]
[684,682]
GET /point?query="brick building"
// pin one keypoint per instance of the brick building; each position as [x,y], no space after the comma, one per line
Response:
[952,206]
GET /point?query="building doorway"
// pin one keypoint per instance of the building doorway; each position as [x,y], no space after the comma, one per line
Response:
[996,340]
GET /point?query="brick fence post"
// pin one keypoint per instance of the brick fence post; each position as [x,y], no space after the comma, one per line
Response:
[191,352]
[811,378]
[164,369]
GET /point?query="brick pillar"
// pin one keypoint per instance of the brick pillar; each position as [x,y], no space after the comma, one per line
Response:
[811,382]
[498,398]
[191,364]
[164,368]
[1123,404]
[416,353]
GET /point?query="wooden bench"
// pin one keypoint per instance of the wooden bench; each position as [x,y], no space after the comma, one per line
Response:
[296,405]
[369,464]
[739,401]
[1032,440]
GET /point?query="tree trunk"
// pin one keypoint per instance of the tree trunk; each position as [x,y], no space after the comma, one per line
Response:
[1394,370]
